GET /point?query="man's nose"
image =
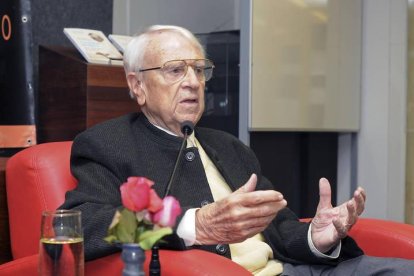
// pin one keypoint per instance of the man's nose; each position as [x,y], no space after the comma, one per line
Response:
[191,77]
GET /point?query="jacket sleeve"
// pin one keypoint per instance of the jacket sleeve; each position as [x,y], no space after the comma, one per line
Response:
[97,196]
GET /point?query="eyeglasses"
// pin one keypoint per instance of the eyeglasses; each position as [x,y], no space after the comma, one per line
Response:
[175,70]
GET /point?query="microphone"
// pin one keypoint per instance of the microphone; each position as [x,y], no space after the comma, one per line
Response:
[187,128]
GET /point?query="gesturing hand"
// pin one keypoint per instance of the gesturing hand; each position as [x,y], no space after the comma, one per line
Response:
[241,215]
[332,224]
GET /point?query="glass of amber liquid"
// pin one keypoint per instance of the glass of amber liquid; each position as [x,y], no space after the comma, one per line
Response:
[61,244]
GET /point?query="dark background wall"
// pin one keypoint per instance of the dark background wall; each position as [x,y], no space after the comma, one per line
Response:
[295,161]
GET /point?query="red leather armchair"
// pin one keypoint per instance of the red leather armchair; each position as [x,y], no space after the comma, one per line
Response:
[38,177]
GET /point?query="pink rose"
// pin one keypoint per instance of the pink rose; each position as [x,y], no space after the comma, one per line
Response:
[155,202]
[168,214]
[137,195]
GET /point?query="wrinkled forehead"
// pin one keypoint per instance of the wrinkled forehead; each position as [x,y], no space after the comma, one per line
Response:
[165,46]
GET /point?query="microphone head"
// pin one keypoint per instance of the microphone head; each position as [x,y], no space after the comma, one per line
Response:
[187,128]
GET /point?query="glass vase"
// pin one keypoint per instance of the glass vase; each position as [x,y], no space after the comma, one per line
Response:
[133,257]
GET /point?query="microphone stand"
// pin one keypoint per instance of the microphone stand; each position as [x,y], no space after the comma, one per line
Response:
[155,265]
[187,128]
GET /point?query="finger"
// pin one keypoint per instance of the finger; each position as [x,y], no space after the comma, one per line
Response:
[352,215]
[324,194]
[249,186]
[359,200]
[259,211]
[363,193]
[257,198]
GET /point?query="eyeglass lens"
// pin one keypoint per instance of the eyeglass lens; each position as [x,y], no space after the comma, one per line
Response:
[176,70]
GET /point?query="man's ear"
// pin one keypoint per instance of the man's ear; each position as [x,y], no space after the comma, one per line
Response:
[136,87]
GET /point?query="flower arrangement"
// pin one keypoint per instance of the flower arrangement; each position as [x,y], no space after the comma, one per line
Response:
[145,218]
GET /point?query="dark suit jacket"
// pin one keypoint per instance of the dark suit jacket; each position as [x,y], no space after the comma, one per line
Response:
[104,156]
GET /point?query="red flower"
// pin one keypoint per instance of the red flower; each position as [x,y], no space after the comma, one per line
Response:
[146,218]
[155,202]
[137,195]
[168,214]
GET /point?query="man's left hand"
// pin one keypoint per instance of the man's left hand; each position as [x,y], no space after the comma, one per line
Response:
[331,224]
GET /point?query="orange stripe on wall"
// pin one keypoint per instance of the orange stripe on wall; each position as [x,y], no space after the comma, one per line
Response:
[17,136]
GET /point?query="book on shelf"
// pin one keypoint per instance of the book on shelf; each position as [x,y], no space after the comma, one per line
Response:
[94,46]
[120,41]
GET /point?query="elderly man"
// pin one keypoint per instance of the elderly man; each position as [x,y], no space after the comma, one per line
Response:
[229,207]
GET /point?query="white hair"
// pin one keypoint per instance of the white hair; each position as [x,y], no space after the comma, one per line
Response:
[137,48]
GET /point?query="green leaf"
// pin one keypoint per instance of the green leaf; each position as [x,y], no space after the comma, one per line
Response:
[115,220]
[148,238]
[125,230]
[111,238]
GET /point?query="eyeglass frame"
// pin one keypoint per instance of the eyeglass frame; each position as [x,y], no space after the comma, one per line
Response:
[185,61]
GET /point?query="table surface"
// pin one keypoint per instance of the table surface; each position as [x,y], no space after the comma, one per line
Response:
[188,262]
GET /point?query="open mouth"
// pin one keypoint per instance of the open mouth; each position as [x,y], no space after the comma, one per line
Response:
[190,101]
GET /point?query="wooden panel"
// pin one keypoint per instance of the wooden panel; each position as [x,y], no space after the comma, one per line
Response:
[106,76]
[62,95]
[75,95]
[105,103]
[5,250]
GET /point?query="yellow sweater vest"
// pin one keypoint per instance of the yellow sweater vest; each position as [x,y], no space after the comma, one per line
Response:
[253,254]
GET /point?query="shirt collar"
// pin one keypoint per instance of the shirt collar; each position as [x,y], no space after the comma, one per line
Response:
[191,138]
[165,130]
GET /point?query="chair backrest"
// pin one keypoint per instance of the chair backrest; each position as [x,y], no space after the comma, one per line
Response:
[32,176]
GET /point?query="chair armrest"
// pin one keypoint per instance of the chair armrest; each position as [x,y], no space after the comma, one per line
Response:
[23,266]
[189,262]
[197,262]
[384,238]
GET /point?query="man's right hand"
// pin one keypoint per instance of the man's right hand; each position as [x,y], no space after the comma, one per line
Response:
[239,216]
